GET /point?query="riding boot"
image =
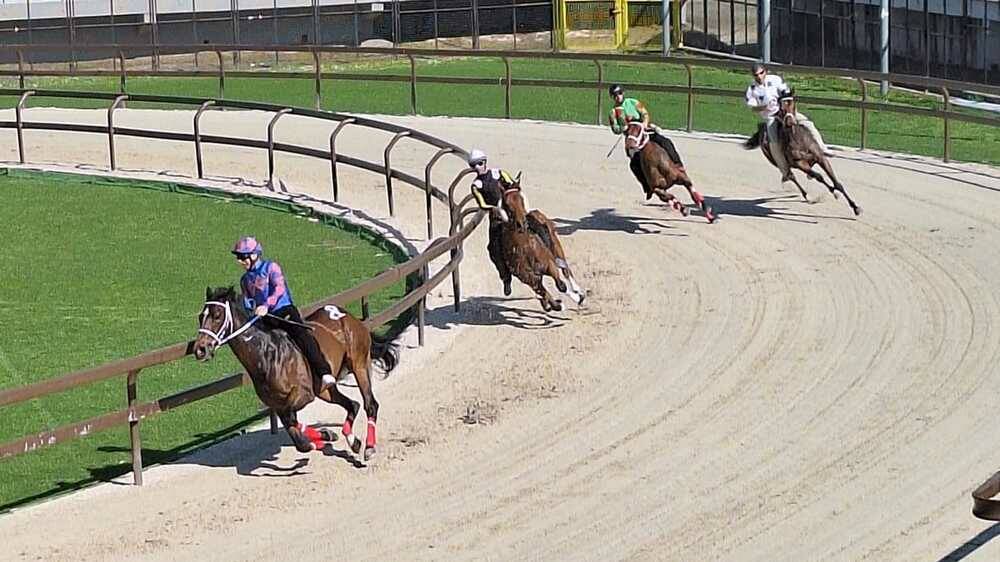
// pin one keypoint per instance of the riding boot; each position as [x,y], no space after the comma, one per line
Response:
[307,344]
[635,164]
[495,251]
[668,145]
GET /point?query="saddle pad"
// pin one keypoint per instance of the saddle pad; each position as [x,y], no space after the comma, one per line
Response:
[334,312]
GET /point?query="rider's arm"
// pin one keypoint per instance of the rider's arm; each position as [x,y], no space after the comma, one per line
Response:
[752,99]
[477,192]
[276,282]
[616,120]
[246,288]
[644,113]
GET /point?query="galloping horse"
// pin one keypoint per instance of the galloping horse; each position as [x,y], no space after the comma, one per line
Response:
[661,172]
[532,250]
[279,371]
[800,149]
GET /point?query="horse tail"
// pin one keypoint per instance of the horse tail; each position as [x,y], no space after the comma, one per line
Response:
[754,141]
[385,354]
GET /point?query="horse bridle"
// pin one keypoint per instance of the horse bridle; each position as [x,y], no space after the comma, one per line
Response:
[640,140]
[227,324]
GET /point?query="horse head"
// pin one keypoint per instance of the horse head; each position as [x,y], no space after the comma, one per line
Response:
[636,136]
[515,206]
[786,108]
[220,316]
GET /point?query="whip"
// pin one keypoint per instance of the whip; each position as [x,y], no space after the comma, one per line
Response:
[615,146]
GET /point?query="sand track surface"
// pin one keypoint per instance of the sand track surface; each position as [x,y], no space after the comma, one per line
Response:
[790,383]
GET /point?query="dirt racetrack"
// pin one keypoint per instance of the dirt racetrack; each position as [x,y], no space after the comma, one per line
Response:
[787,384]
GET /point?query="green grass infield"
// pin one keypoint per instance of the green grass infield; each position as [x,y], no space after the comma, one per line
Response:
[99,269]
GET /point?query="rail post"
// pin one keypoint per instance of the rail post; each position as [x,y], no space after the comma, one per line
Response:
[947,124]
[690,107]
[428,188]
[20,69]
[197,137]
[600,89]
[333,157]
[507,86]
[456,281]
[222,75]
[365,311]
[121,71]
[422,305]
[318,77]
[20,124]
[111,127]
[413,85]
[388,169]
[135,443]
[864,113]
[270,145]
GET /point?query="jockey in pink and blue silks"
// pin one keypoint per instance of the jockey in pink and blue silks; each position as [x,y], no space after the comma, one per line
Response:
[266,294]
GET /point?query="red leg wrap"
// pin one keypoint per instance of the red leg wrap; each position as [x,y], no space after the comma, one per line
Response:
[370,440]
[347,429]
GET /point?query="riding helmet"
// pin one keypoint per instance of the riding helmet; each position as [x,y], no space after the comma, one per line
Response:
[615,89]
[476,156]
[248,245]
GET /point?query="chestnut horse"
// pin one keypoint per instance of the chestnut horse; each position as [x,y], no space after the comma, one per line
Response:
[800,149]
[532,250]
[279,371]
[661,172]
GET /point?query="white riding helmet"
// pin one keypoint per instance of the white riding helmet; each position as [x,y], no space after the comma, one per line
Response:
[476,156]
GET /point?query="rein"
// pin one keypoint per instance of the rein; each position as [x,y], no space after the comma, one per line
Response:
[227,324]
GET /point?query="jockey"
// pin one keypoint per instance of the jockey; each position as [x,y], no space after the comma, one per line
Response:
[488,188]
[762,97]
[266,294]
[627,110]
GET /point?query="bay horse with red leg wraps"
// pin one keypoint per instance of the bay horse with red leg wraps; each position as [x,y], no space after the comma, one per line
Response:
[280,373]
[532,249]
[661,172]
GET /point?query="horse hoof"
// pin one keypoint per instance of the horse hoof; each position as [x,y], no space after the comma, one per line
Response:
[710,215]
[369,453]
[327,434]
[557,306]
[857,211]
[305,448]
[561,286]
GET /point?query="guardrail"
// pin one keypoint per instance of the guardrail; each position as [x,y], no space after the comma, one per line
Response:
[507,81]
[132,366]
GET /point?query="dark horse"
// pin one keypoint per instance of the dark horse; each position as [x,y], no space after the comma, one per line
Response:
[661,172]
[800,149]
[532,250]
[279,371]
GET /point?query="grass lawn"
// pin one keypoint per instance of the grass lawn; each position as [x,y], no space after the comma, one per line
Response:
[98,270]
[887,130]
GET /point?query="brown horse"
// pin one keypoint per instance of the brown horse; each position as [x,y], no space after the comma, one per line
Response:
[532,250]
[800,149]
[661,172]
[280,373]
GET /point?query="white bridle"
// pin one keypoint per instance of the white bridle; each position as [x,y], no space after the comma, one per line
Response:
[227,324]
[640,140]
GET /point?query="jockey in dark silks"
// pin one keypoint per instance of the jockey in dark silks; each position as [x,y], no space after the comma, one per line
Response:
[488,188]
[266,294]
[627,110]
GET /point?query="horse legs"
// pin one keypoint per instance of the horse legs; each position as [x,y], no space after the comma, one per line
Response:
[335,396]
[298,433]
[795,180]
[825,164]
[362,374]
[534,281]
[669,199]
[699,200]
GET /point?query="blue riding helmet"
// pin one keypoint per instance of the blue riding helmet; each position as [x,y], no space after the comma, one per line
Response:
[248,245]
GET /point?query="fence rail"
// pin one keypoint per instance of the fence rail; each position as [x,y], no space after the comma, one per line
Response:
[507,81]
[131,367]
